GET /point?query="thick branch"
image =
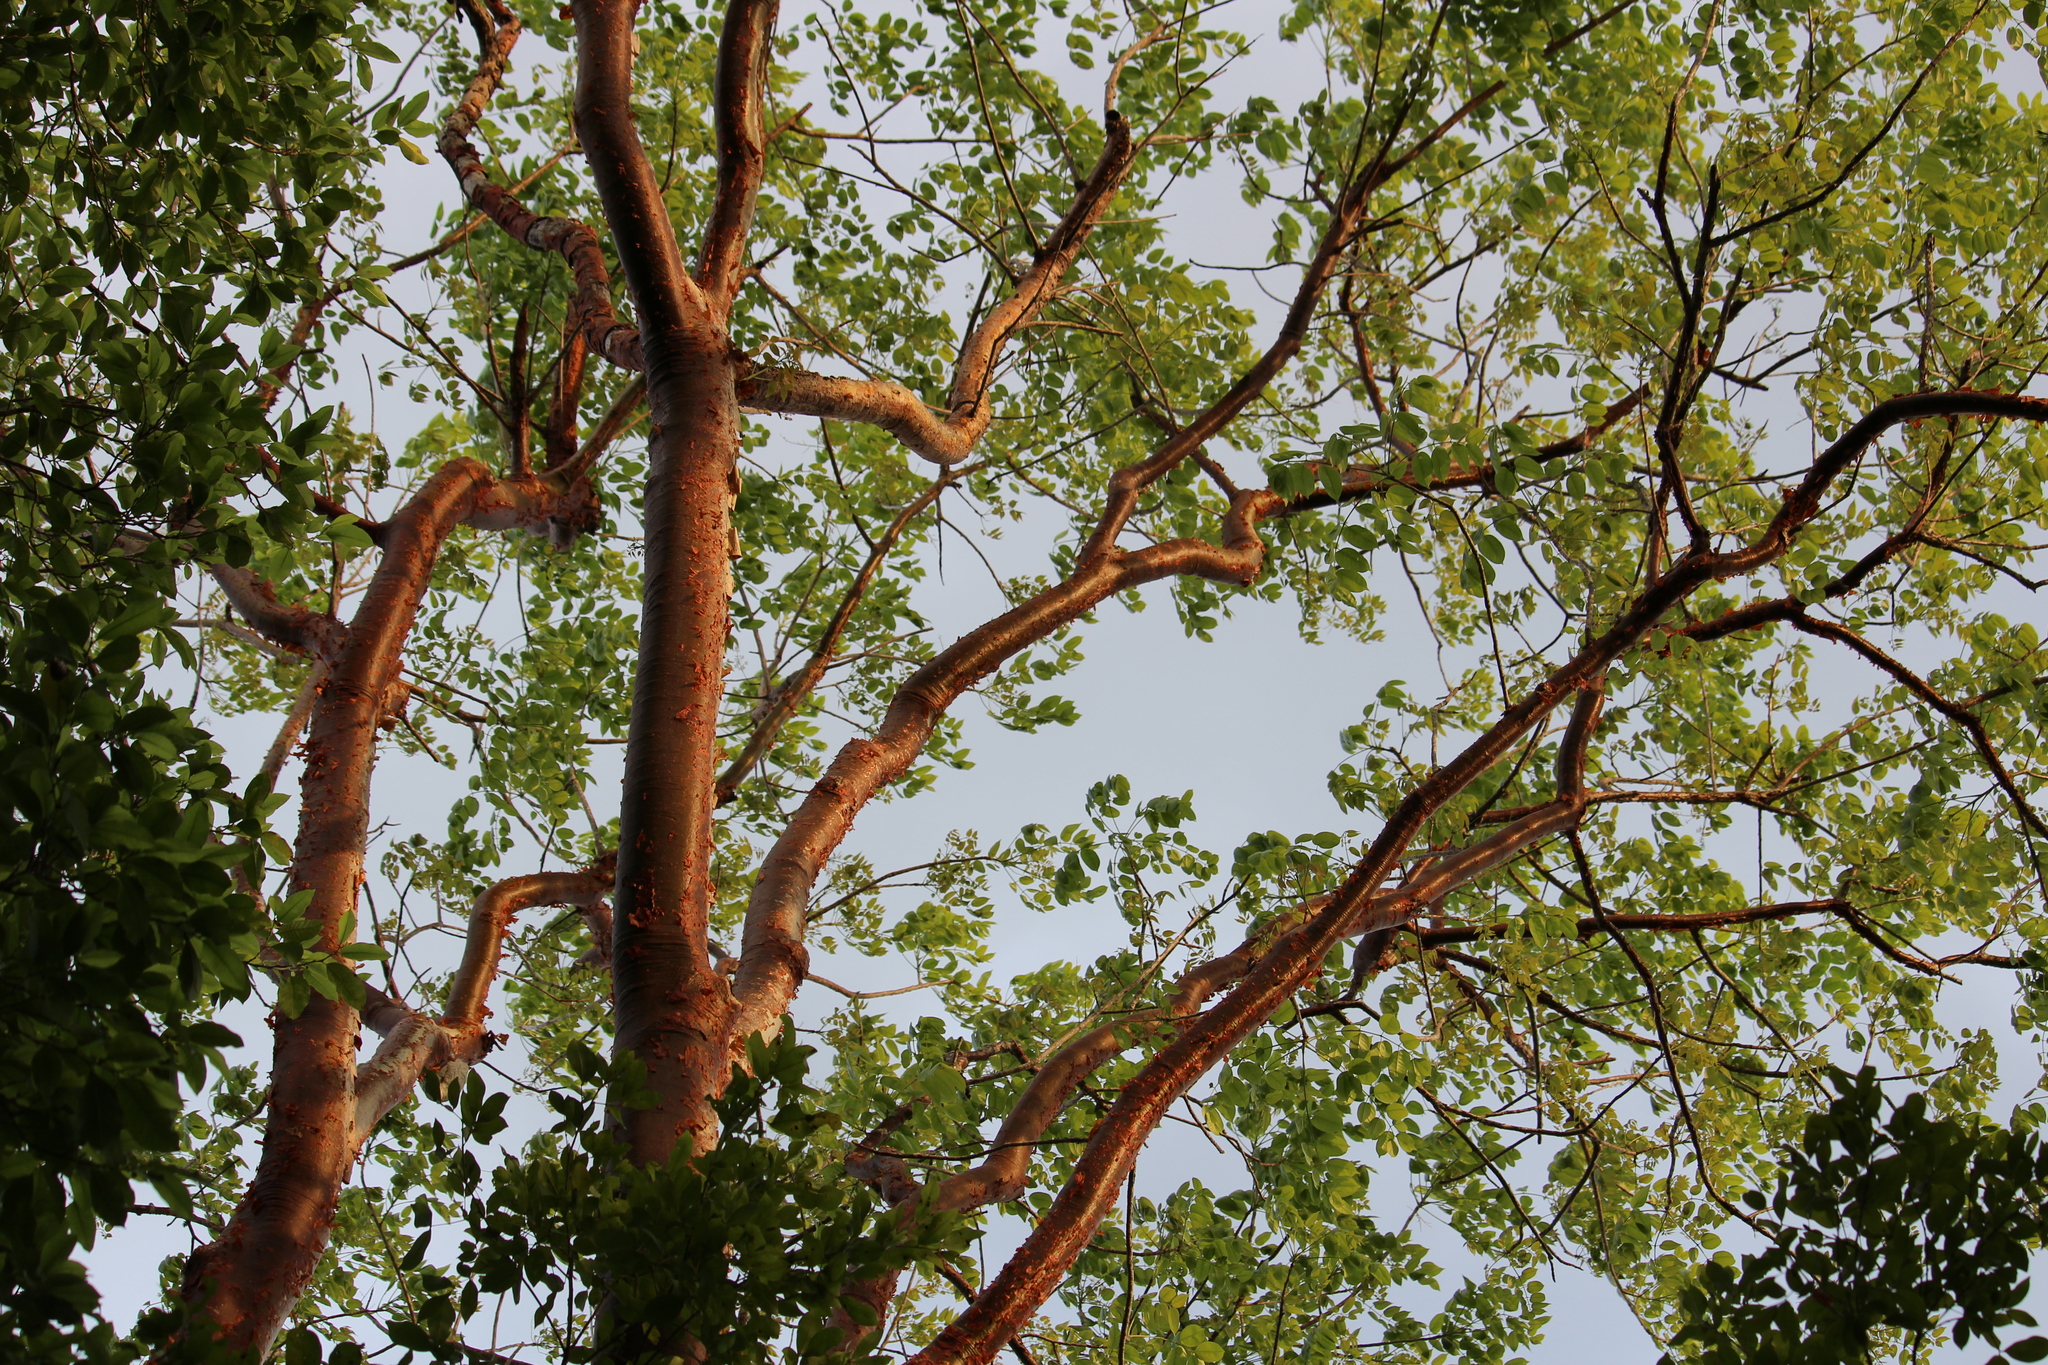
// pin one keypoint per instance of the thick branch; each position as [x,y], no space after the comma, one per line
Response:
[1044,1258]
[242,1285]
[672,1010]
[772,955]
[744,49]
[1002,1174]
[297,628]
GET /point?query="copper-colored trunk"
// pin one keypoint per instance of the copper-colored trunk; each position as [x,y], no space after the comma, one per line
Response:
[672,1011]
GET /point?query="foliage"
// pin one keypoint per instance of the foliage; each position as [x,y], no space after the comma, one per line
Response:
[759,1238]
[1880,1220]
[137,244]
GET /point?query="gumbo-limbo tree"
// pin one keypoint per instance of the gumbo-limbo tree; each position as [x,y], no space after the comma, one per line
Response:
[1646,382]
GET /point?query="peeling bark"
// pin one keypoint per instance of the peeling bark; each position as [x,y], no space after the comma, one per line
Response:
[672,1009]
[675,1011]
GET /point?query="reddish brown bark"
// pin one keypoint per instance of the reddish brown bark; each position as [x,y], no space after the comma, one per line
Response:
[414,1043]
[497,30]
[242,1285]
[739,87]
[773,956]
[672,1009]
[949,437]
[1002,1174]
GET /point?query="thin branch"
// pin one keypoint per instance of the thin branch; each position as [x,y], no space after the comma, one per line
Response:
[852,994]
[497,30]
[950,437]
[792,693]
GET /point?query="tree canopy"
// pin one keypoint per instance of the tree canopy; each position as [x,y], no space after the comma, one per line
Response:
[1652,380]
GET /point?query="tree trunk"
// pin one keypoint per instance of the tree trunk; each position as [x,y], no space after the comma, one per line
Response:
[673,1010]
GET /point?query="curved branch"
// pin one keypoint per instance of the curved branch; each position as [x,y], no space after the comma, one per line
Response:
[941,438]
[949,437]
[414,1044]
[1347,224]
[1002,1174]
[1043,1259]
[772,954]
[297,628]
[242,1285]
[497,30]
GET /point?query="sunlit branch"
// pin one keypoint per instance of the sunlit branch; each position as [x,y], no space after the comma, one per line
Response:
[414,1043]
[243,1284]
[497,30]
[745,48]
[948,437]
[1036,1268]
[1002,1174]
